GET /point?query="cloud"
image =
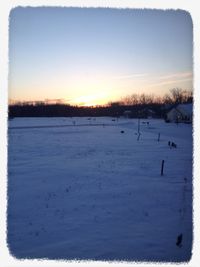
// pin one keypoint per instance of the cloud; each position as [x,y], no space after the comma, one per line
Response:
[170,82]
[174,78]
[130,76]
[179,76]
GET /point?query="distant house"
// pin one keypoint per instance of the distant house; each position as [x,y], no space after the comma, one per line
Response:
[180,113]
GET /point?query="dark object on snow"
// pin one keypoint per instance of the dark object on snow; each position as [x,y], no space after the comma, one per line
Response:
[162,167]
[122,131]
[158,137]
[174,145]
[179,240]
[138,137]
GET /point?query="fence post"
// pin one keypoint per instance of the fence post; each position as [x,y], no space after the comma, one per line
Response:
[158,137]
[162,168]
[138,125]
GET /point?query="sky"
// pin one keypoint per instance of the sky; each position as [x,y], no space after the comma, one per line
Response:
[97,55]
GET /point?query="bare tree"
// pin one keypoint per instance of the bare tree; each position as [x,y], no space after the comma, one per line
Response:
[130,99]
[167,99]
[187,96]
[146,99]
[177,95]
[158,100]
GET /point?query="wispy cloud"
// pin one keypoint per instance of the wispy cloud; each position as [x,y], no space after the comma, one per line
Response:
[129,76]
[169,82]
[174,78]
[179,76]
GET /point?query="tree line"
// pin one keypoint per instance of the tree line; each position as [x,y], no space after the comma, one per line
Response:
[175,96]
[138,105]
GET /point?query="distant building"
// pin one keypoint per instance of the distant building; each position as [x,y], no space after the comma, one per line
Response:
[180,113]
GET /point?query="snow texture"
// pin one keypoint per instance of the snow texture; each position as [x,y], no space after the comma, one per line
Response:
[96,192]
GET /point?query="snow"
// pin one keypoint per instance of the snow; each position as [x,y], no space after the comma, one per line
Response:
[84,192]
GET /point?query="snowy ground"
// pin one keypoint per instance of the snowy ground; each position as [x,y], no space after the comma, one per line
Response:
[92,192]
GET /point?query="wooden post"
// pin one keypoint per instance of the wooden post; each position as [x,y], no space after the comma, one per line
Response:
[138,125]
[162,167]
[138,136]
[158,137]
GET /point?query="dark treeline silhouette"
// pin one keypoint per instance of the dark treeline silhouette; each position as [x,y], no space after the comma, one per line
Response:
[133,106]
[175,96]
[62,110]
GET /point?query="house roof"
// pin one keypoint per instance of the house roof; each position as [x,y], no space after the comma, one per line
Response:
[185,108]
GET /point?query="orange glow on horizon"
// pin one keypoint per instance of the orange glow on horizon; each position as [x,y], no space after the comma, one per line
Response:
[89,100]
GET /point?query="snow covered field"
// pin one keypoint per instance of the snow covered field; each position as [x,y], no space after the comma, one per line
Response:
[94,192]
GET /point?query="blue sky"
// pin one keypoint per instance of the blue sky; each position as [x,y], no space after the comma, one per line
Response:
[92,56]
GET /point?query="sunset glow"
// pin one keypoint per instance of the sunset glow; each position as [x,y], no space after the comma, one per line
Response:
[90,100]
[90,57]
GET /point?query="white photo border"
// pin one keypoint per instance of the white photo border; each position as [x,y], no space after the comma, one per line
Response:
[192,7]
